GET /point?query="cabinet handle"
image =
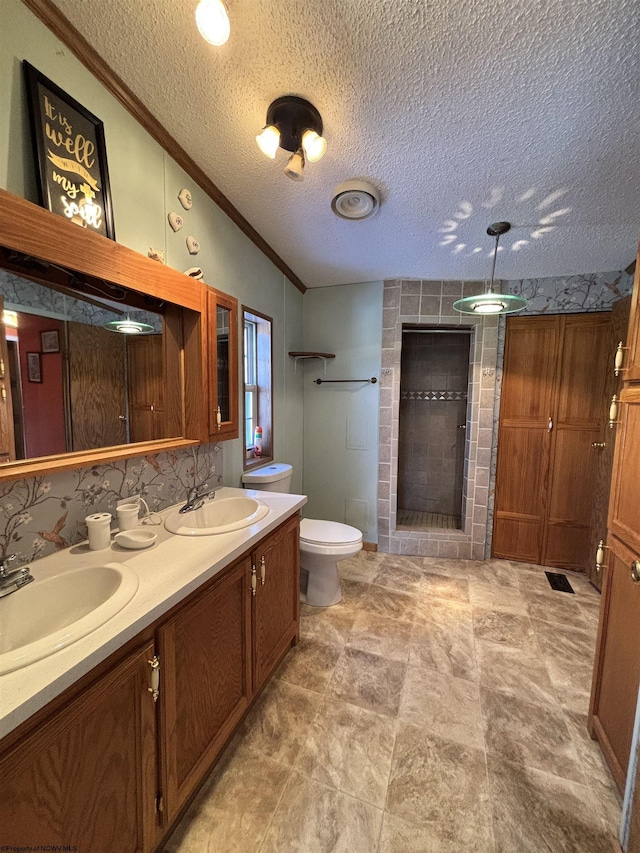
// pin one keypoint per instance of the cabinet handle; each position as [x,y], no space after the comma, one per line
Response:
[599,445]
[618,360]
[635,571]
[1,368]
[3,393]
[155,678]
[600,555]
[254,582]
[218,417]
[263,569]
[613,412]
[550,424]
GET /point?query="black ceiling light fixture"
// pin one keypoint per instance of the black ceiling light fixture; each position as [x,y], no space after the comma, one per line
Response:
[491,302]
[296,126]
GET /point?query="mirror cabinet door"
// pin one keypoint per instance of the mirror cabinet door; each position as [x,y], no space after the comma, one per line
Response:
[222,313]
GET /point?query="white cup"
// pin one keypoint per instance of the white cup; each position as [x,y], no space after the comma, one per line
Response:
[99,530]
[128,516]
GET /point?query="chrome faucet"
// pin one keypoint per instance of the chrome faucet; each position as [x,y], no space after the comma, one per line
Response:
[12,580]
[196,497]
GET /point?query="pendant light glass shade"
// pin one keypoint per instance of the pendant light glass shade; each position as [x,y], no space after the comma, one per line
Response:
[491,302]
[212,20]
[127,326]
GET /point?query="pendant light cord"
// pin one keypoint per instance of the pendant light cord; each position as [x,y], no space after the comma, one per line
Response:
[493,268]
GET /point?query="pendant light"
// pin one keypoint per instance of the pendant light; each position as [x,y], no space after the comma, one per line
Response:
[127,326]
[491,302]
[212,20]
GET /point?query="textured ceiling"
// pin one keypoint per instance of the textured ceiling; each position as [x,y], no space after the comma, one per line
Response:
[461,112]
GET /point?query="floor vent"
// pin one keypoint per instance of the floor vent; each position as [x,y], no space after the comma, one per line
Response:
[559,582]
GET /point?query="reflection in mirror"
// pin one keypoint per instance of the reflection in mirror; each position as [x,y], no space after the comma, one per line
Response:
[70,380]
[222,352]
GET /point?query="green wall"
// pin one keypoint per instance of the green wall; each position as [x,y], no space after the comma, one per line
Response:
[145,183]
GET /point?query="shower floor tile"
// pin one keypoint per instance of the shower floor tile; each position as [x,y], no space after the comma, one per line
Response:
[427,520]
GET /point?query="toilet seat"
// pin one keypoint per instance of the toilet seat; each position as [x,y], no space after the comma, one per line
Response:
[328,537]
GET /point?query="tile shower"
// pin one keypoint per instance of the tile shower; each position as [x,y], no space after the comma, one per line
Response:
[430,304]
[432,425]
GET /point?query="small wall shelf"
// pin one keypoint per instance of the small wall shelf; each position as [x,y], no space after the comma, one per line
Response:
[325,356]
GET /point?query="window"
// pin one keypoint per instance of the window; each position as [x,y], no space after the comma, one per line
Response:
[258,381]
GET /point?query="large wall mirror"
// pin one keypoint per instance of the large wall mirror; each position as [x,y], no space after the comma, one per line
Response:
[95,360]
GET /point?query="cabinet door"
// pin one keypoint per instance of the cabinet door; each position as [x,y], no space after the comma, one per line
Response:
[222,336]
[206,681]
[624,507]
[526,409]
[277,598]
[617,666]
[579,421]
[86,777]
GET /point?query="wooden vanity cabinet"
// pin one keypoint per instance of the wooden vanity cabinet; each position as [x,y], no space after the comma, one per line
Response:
[277,599]
[222,360]
[109,769]
[205,653]
[86,776]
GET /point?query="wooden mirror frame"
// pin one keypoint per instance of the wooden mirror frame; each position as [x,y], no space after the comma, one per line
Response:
[32,230]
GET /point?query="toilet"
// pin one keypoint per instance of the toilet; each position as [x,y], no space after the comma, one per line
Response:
[322,543]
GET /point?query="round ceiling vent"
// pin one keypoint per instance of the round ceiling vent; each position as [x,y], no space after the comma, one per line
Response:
[355,200]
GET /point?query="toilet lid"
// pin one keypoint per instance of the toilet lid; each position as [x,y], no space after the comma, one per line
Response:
[328,532]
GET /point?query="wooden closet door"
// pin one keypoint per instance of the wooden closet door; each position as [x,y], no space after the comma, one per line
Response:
[531,353]
[579,421]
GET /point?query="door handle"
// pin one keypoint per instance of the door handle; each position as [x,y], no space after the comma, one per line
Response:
[635,571]
[600,555]
[618,359]
[550,425]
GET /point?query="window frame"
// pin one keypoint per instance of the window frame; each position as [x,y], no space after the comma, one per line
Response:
[261,388]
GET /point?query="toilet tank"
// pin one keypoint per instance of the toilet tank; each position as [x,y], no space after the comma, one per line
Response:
[270,478]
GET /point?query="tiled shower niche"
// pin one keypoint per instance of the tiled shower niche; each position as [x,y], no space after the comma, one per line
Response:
[430,303]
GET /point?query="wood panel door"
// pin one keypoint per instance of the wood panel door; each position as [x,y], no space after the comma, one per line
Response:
[527,404]
[86,777]
[97,387]
[552,411]
[205,662]
[146,388]
[277,598]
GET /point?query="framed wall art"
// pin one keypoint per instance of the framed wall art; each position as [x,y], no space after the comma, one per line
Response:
[34,367]
[50,341]
[70,155]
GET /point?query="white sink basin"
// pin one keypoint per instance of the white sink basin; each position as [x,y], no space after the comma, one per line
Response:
[54,612]
[217,516]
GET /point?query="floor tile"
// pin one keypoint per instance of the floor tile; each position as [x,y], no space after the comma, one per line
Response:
[441,786]
[448,650]
[494,597]
[495,573]
[565,641]
[403,579]
[353,592]
[450,568]
[278,724]
[232,812]
[350,749]
[314,818]
[572,682]
[443,586]
[444,705]
[381,635]
[363,567]
[310,664]
[557,607]
[519,672]
[509,629]
[389,602]
[535,811]
[529,733]
[402,836]
[330,625]
[369,681]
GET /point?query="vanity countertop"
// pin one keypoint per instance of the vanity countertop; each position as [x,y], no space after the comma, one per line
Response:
[168,571]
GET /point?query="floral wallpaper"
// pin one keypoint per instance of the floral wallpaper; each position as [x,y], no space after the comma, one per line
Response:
[572,294]
[39,515]
[22,294]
